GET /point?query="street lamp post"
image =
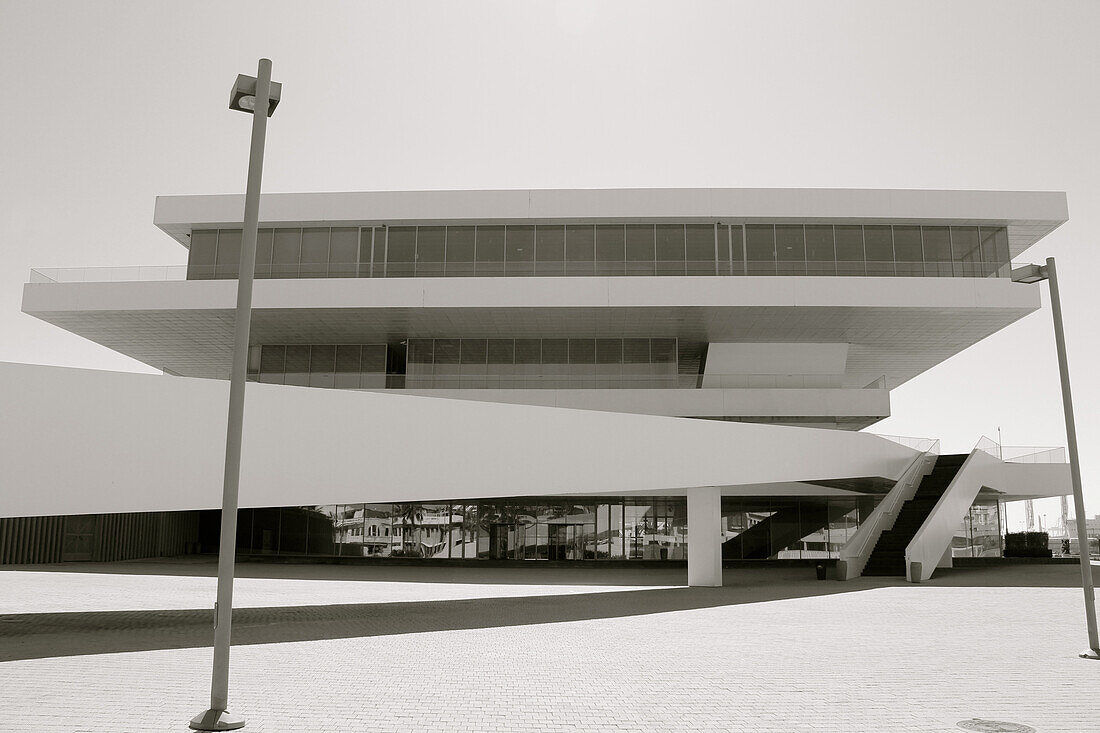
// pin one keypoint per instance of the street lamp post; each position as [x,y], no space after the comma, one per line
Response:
[248,95]
[1048,272]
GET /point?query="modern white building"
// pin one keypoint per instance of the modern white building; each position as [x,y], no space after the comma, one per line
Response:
[560,375]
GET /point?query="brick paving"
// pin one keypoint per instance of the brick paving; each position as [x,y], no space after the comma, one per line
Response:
[771,651]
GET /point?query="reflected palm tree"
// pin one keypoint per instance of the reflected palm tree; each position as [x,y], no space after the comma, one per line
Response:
[411,517]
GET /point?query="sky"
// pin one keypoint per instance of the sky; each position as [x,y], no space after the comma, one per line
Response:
[106,105]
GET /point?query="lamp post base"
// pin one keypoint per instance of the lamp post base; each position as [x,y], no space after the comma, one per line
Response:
[216,720]
[1089,654]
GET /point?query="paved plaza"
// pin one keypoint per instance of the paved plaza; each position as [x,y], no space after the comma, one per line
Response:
[126,647]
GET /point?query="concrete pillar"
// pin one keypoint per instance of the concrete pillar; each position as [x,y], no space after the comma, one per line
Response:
[704,517]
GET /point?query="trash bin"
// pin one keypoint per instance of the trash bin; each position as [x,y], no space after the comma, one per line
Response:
[820,571]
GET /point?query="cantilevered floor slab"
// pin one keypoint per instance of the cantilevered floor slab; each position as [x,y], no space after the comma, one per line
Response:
[76,441]
[895,327]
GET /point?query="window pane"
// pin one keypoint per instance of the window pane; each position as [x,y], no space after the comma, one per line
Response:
[636,351]
[369,238]
[528,351]
[937,251]
[994,249]
[879,245]
[609,351]
[966,251]
[447,351]
[297,365]
[400,252]
[670,249]
[343,252]
[908,254]
[374,359]
[489,251]
[737,249]
[820,250]
[501,351]
[790,249]
[610,250]
[473,351]
[582,351]
[272,364]
[723,249]
[519,251]
[555,351]
[580,250]
[640,243]
[662,351]
[460,251]
[699,249]
[286,253]
[200,260]
[760,249]
[229,253]
[850,257]
[263,252]
[314,252]
[347,367]
[550,250]
[322,366]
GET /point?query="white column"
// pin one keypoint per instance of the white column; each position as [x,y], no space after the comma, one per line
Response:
[704,518]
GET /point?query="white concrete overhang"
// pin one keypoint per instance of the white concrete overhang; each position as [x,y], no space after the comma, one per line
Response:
[897,327]
[849,409]
[75,441]
[1028,215]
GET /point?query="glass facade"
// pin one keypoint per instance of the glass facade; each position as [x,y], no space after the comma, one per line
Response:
[541,363]
[782,528]
[553,528]
[541,528]
[339,366]
[980,534]
[607,249]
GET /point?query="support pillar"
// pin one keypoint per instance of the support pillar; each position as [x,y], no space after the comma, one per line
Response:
[704,517]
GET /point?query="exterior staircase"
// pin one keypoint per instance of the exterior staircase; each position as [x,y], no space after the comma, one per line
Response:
[888,557]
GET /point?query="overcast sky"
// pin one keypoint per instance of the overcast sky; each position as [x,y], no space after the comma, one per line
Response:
[106,105]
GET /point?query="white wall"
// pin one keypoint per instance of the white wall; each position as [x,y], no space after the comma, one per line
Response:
[77,441]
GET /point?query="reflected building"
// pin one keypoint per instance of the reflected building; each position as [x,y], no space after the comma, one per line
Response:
[794,308]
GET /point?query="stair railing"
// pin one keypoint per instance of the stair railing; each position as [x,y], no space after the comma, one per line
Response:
[933,540]
[856,551]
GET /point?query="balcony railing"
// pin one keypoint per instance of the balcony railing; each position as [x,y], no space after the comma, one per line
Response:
[137,273]
[1022,453]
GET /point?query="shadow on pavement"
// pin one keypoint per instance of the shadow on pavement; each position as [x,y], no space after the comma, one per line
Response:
[34,636]
[581,574]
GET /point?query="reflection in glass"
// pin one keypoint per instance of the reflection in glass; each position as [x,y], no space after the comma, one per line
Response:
[610,250]
[671,254]
[315,254]
[908,252]
[201,256]
[790,249]
[820,250]
[760,249]
[229,254]
[878,243]
[966,251]
[699,248]
[937,251]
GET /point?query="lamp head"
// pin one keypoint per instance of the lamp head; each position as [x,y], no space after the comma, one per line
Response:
[242,97]
[1029,274]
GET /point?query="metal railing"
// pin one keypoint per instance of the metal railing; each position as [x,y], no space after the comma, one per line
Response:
[1021,453]
[857,551]
[137,273]
[924,445]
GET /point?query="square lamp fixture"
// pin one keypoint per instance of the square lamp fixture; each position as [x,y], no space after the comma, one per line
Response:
[243,95]
[1029,273]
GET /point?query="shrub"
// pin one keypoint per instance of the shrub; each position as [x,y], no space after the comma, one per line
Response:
[1027,544]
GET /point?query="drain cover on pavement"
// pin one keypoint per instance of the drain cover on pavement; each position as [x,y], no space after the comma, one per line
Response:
[994,726]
